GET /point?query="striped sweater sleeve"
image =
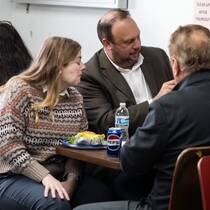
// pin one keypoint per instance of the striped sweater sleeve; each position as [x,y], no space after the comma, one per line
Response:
[14,111]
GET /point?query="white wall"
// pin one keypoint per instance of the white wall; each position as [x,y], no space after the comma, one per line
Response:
[156,19]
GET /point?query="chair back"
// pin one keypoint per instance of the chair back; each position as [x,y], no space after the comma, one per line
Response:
[185,189]
[204,178]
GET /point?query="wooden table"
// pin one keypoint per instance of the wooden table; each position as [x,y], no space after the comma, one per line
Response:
[97,157]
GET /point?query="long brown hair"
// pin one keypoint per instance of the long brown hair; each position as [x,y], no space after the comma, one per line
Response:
[55,54]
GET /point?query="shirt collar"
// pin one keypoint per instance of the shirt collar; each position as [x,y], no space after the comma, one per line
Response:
[63,93]
[122,70]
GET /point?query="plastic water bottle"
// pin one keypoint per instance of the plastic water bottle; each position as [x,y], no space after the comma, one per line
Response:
[122,121]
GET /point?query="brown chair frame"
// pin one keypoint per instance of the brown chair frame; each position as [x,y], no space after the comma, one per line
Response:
[204,178]
[185,189]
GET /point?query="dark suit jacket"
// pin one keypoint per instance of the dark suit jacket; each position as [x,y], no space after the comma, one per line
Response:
[176,121]
[103,88]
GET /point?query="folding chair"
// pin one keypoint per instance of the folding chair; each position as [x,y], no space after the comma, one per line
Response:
[204,178]
[185,189]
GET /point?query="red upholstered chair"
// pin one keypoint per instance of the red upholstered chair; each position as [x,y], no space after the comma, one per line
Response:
[204,177]
[185,189]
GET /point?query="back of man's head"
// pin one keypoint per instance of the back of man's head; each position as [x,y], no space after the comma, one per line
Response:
[104,26]
[190,45]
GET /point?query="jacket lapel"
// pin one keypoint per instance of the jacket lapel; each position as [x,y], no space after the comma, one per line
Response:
[114,76]
[149,77]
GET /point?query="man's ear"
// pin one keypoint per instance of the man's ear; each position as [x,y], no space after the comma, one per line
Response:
[106,43]
[175,67]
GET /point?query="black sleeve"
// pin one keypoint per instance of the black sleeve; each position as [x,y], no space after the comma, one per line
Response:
[145,147]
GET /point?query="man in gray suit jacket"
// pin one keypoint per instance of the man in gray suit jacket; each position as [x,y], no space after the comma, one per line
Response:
[175,122]
[123,71]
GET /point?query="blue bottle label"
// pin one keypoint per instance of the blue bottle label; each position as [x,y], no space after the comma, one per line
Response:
[122,121]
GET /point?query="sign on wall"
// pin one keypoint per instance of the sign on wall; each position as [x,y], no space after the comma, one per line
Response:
[80,3]
[202,12]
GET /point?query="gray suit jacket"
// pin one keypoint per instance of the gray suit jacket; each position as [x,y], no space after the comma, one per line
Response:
[103,88]
[176,121]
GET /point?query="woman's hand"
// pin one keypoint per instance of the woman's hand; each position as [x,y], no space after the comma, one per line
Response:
[54,187]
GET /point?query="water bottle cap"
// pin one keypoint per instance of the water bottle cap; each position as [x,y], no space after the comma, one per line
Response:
[122,103]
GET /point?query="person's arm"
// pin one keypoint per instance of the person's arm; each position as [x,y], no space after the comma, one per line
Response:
[14,153]
[145,147]
[166,88]
[162,71]
[72,173]
[13,121]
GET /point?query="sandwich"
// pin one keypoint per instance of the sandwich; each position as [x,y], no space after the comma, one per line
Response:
[87,138]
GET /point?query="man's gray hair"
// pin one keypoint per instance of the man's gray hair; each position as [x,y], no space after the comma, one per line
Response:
[190,44]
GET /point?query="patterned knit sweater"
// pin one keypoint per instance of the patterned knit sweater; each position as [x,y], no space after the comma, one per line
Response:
[24,144]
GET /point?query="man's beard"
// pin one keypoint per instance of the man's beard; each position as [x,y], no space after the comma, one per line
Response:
[126,63]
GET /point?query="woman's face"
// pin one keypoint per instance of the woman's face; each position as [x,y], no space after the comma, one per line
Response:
[71,74]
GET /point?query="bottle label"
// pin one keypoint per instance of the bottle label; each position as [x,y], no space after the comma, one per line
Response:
[122,121]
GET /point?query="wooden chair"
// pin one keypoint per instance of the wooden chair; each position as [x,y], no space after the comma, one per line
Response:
[204,178]
[185,190]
